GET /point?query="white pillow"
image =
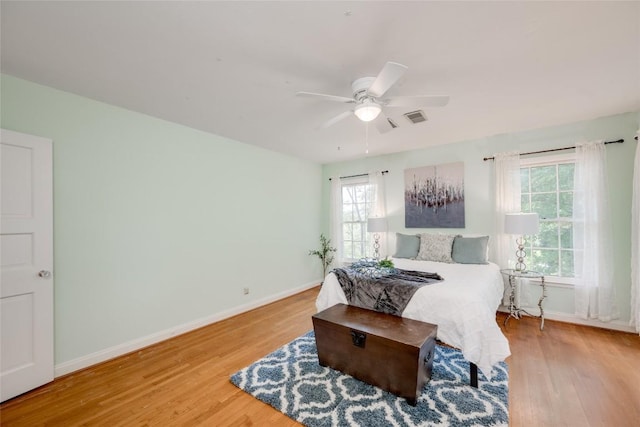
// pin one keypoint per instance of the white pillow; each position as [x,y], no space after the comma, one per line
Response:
[436,247]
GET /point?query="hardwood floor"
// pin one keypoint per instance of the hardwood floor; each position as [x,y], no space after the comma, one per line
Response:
[572,375]
[566,375]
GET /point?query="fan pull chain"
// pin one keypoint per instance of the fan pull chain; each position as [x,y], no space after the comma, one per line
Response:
[366,138]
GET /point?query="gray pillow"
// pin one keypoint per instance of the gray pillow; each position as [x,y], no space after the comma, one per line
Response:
[470,250]
[407,246]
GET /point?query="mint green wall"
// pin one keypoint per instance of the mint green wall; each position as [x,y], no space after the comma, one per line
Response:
[479,185]
[156,224]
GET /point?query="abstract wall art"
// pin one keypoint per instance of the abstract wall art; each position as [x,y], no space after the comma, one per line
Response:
[434,196]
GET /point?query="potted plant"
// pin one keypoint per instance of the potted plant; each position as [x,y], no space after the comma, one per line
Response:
[325,253]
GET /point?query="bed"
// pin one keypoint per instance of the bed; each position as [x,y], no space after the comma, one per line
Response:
[463,305]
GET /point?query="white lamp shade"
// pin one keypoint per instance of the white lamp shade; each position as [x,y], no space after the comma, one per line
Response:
[376,225]
[521,223]
[367,110]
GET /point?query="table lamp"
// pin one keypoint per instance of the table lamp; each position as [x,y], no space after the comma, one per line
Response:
[521,224]
[376,226]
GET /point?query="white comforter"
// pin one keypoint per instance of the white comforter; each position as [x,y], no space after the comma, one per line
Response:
[463,306]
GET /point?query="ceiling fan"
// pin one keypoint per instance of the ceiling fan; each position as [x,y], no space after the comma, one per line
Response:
[368,98]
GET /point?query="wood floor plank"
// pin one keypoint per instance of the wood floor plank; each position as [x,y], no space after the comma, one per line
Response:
[566,375]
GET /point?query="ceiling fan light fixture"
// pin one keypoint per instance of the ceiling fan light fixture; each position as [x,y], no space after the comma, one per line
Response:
[367,110]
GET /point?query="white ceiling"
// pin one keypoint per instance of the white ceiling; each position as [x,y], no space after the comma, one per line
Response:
[233,68]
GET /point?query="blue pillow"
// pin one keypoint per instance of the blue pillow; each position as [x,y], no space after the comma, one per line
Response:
[407,246]
[470,250]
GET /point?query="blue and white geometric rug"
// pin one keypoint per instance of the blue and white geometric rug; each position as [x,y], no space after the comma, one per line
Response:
[291,380]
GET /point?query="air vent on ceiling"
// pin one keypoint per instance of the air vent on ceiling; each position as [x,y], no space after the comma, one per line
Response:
[416,116]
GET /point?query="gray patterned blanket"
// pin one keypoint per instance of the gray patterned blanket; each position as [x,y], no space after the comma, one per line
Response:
[388,293]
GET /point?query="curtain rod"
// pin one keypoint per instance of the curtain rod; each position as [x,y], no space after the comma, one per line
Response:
[620,141]
[359,175]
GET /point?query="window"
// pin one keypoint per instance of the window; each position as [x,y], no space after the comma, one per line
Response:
[357,203]
[547,189]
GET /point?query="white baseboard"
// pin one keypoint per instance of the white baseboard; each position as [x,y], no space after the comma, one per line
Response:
[616,325]
[138,343]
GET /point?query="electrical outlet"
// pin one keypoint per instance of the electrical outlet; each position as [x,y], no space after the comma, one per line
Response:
[246,291]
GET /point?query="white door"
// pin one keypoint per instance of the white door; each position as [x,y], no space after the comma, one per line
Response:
[26,255]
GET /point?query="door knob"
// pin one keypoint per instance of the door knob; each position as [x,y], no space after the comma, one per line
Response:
[44,274]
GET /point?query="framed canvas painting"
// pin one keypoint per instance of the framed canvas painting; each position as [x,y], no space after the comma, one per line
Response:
[434,196]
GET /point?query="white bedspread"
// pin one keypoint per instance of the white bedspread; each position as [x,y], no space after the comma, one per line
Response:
[463,306]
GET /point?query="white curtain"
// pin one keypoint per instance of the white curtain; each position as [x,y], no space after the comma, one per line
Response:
[507,193]
[380,202]
[635,244]
[336,219]
[592,243]
[507,200]
[379,206]
[378,209]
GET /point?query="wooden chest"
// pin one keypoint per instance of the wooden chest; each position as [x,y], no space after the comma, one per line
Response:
[390,352]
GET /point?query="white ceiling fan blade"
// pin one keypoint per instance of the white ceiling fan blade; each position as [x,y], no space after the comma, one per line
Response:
[417,101]
[326,97]
[390,74]
[332,121]
[384,124]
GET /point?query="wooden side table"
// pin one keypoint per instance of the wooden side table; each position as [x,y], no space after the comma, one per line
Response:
[514,310]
